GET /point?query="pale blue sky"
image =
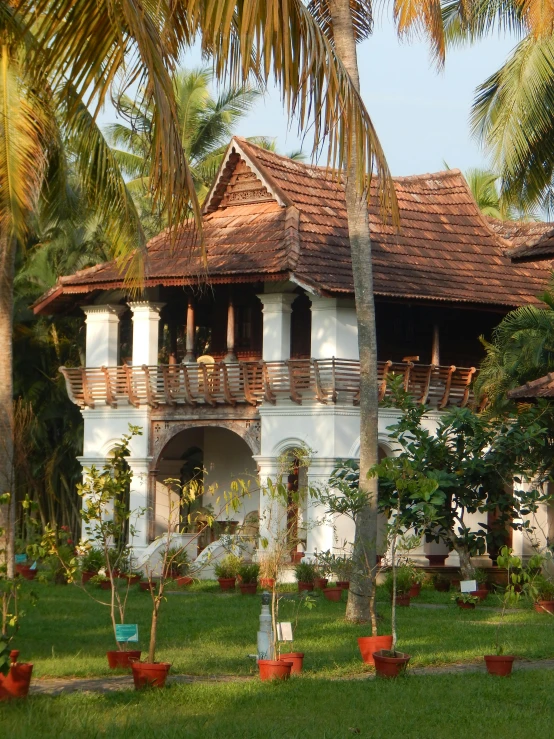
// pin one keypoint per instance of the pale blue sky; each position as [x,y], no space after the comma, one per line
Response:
[421,115]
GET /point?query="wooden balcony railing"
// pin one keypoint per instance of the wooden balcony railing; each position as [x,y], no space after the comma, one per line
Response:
[321,380]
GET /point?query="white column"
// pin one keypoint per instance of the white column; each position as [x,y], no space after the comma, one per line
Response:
[276,334]
[102,334]
[319,524]
[334,328]
[269,509]
[86,464]
[138,502]
[146,320]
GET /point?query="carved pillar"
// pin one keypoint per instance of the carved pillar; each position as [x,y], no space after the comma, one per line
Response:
[139,502]
[189,338]
[102,334]
[276,336]
[230,356]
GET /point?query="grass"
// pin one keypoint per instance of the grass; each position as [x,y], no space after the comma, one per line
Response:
[414,707]
[205,632]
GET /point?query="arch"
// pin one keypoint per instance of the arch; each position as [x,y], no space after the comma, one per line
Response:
[286,445]
[383,441]
[165,431]
[107,448]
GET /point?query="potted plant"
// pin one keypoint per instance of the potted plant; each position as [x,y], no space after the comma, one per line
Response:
[541,591]
[268,570]
[466,601]
[15,677]
[226,570]
[321,570]
[305,574]
[181,566]
[248,578]
[90,563]
[153,673]
[441,583]
[107,520]
[501,664]
[417,578]
[403,584]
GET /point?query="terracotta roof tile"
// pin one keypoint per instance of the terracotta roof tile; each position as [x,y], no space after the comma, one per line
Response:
[445,249]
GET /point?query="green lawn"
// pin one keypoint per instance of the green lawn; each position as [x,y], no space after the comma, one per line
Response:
[205,632]
[414,707]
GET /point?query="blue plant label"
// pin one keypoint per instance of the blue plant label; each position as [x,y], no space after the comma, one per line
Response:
[20,559]
[126,632]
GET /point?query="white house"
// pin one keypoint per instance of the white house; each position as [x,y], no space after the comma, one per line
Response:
[273,320]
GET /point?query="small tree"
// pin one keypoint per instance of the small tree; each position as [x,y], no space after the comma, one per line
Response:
[517,583]
[108,521]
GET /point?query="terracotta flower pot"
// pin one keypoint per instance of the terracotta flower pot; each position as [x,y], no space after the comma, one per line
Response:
[267,582]
[442,587]
[150,675]
[333,594]
[320,582]
[14,656]
[481,594]
[16,683]
[248,588]
[146,586]
[305,586]
[370,644]
[403,600]
[500,665]
[415,590]
[123,660]
[483,586]
[227,583]
[344,584]
[183,581]
[297,659]
[274,669]
[86,576]
[26,571]
[105,585]
[544,606]
[390,666]
[131,579]
[465,606]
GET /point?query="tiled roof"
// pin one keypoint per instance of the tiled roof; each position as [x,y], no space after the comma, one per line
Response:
[519,233]
[269,217]
[541,388]
[538,249]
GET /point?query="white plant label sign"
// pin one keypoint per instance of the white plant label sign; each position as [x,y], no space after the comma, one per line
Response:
[284,631]
[468,586]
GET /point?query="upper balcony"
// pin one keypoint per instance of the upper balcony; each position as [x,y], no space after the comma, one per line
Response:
[256,382]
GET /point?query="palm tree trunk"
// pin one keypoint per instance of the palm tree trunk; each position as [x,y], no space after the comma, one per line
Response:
[7,511]
[365,542]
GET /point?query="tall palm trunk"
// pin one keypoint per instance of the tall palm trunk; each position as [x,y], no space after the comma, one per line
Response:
[365,542]
[7,511]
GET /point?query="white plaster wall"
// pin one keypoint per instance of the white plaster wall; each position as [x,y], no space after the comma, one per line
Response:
[104,427]
[334,328]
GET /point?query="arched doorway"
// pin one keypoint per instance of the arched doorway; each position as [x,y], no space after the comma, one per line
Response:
[206,460]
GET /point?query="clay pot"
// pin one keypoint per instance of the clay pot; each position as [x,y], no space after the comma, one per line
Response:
[297,659]
[403,599]
[390,666]
[415,590]
[543,606]
[481,594]
[150,675]
[483,586]
[370,644]
[248,588]
[344,584]
[436,560]
[465,606]
[320,582]
[26,571]
[442,587]
[500,665]
[183,581]
[305,586]
[16,683]
[455,581]
[333,594]
[14,655]
[122,660]
[86,576]
[105,585]
[274,669]
[267,582]
[227,583]
[147,586]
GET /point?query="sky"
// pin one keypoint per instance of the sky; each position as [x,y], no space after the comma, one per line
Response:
[421,114]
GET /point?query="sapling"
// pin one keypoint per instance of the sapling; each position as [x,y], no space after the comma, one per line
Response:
[517,580]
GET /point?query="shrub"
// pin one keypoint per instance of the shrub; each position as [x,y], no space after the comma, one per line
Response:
[178,561]
[541,588]
[305,572]
[404,580]
[228,566]
[248,573]
[93,560]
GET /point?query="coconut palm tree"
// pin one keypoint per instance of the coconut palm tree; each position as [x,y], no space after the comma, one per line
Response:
[61,57]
